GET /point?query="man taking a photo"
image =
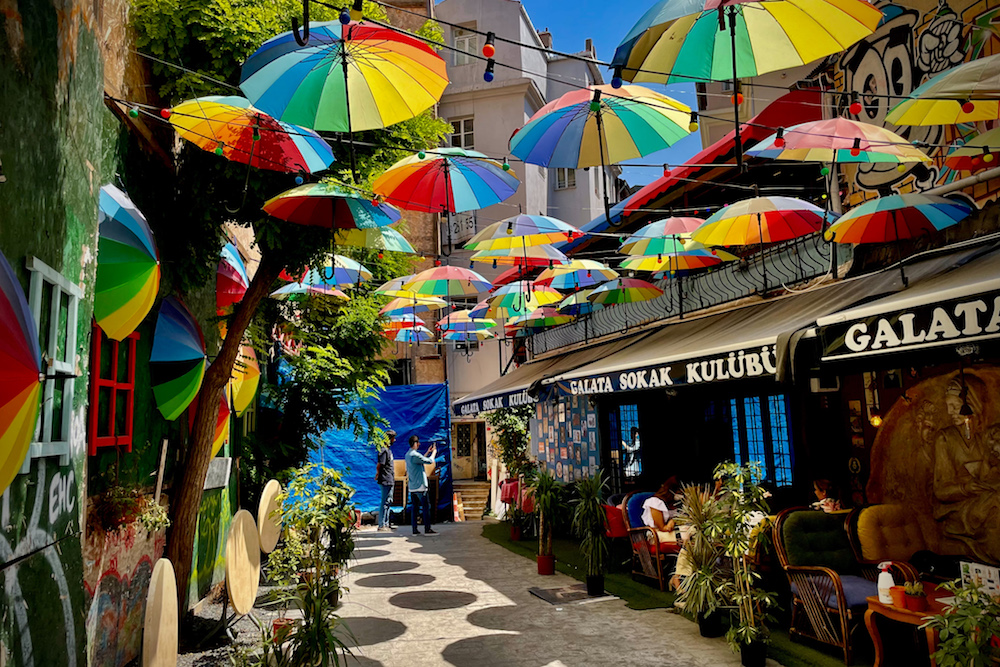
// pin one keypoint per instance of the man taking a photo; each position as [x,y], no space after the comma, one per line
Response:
[417,478]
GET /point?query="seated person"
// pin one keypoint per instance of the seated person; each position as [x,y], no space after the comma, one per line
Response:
[658,516]
[826,496]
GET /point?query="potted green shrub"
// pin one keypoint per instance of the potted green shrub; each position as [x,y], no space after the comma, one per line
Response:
[590,524]
[548,499]
[968,629]
[916,599]
[706,590]
[744,505]
[284,568]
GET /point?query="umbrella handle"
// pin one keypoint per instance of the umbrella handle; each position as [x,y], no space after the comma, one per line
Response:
[302,40]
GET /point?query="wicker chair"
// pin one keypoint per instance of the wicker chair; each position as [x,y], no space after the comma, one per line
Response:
[650,558]
[829,585]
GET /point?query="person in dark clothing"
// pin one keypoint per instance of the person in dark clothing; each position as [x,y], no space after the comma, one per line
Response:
[385,477]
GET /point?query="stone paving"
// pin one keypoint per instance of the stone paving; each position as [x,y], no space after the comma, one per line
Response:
[458,599]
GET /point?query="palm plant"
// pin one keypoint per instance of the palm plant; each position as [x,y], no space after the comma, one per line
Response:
[707,588]
[590,525]
[548,500]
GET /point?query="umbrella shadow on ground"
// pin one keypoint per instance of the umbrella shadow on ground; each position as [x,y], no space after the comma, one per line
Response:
[360,554]
[365,543]
[384,567]
[432,600]
[358,631]
[395,580]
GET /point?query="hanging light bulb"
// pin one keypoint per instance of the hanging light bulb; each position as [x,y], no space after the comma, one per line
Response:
[616,80]
[437,262]
[380,254]
[659,258]
[421,155]
[737,96]
[856,148]
[133,112]
[693,125]
[472,264]
[166,113]
[345,16]
[825,171]
[968,106]
[588,273]
[489,50]
[494,264]
[299,180]
[488,74]
[987,156]
[855,107]
[506,165]
[779,141]
[875,419]
[595,103]
[219,148]
[901,168]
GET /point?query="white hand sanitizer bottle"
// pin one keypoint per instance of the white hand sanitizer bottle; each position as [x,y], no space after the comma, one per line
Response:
[884,583]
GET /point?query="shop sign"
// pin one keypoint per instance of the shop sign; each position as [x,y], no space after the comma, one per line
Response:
[756,362]
[513,400]
[969,318]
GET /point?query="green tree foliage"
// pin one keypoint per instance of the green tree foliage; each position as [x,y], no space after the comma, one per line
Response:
[510,426]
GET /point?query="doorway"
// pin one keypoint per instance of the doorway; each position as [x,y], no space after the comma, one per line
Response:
[469,456]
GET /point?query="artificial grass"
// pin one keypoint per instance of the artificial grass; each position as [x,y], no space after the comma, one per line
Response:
[640,595]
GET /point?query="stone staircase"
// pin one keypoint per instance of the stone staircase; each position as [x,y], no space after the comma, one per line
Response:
[475,495]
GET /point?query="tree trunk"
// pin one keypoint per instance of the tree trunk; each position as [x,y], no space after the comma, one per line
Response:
[187,499]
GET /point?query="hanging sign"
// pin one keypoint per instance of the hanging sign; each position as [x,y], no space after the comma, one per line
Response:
[969,318]
[750,363]
[509,400]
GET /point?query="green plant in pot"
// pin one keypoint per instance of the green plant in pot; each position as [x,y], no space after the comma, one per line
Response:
[968,629]
[548,501]
[284,569]
[916,599]
[590,524]
[706,589]
[744,505]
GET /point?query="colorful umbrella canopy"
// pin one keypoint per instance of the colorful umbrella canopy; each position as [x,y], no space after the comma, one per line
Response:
[402,306]
[389,77]
[967,93]
[508,307]
[340,272]
[300,289]
[231,281]
[688,260]
[467,336]
[416,335]
[655,237]
[378,238]
[576,274]
[20,375]
[462,320]
[394,288]
[330,205]
[601,125]
[760,220]
[536,255]
[838,140]
[897,217]
[447,180]
[578,304]
[977,153]
[405,321]
[510,275]
[177,361]
[447,281]
[128,265]
[232,126]
[523,296]
[222,431]
[245,379]
[683,40]
[624,290]
[521,231]
[657,245]
[541,318]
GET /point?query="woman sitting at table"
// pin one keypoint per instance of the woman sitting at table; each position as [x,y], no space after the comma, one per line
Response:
[656,512]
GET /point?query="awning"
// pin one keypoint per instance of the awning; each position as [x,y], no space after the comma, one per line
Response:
[747,342]
[960,305]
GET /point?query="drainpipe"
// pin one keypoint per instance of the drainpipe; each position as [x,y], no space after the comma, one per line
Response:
[963,183]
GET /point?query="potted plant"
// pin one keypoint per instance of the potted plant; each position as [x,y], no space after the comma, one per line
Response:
[968,629]
[590,524]
[705,591]
[916,599]
[284,568]
[744,505]
[548,498]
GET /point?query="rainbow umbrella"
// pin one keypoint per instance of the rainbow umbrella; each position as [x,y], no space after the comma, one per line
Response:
[624,290]
[839,140]
[967,93]
[462,320]
[128,265]
[341,271]
[576,274]
[231,281]
[403,306]
[415,335]
[538,255]
[516,273]
[578,304]
[349,77]
[244,380]
[541,318]
[221,434]
[447,281]
[20,375]
[379,238]
[509,307]
[977,153]
[394,288]
[468,336]
[300,289]
[760,220]
[177,361]
[330,205]
[447,180]
[232,127]
[522,231]
[689,260]
[397,322]
[519,295]
[660,236]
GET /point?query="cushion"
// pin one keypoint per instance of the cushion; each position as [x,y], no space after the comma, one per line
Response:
[856,589]
[615,522]
[665,548]
[634,508]
[895,532]
[814,538]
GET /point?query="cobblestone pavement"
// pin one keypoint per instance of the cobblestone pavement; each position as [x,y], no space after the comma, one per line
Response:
[458,599]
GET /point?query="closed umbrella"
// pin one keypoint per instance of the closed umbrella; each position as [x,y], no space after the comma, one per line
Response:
[231,280]
[177,361]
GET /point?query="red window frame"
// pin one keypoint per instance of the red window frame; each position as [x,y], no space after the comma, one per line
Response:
[97,383]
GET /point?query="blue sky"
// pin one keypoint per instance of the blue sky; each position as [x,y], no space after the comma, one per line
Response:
[571,22]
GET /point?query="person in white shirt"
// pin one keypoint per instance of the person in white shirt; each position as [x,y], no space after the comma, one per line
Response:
[657,515]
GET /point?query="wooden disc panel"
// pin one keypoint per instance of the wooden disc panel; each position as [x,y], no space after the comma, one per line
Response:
[243,562]
[268,523]
[159,636]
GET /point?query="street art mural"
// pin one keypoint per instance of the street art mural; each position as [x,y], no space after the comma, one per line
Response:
[911,45]
[938,453]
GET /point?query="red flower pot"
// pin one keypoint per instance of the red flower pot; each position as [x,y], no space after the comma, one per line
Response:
[515,533]
[916,602]
[546,565]
[280,627]
[898,594]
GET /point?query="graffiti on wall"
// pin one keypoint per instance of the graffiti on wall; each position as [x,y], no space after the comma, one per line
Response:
[910,46]
[938,452]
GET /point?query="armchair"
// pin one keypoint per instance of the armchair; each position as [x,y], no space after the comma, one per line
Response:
[829,585]
[650,558]
[893,532]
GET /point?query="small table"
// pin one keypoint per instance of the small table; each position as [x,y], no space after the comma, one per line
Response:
[902,615]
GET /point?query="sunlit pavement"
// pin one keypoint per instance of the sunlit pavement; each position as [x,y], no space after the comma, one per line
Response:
[458,599]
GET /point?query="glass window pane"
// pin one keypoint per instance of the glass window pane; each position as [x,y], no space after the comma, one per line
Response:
[737,450]
[468,126]
[62,353]
[780,442]
[755,430]
[103,408]
[57,411]
[45,316]
[628,419]
[123,355]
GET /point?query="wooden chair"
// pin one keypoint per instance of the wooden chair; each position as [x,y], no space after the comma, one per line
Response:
[650,557]
[828,584]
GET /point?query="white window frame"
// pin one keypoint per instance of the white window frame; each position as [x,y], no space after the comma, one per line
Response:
[565,178]
[463,133]
[466,43]
[57,370]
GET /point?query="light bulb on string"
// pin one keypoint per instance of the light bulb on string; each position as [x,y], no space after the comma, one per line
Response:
[779,141]
[856,148]
[987,156]
[421,155]
[900,167]
[825,171]
[299,180]
[219,148]
[506,165]
[968,106]
[616,80]
[133,112]
[488,74]
[489,50]
[166,113]
[693,124]
[345,17]
[855,107]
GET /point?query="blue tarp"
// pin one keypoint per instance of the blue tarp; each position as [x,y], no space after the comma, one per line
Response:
[416,409]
